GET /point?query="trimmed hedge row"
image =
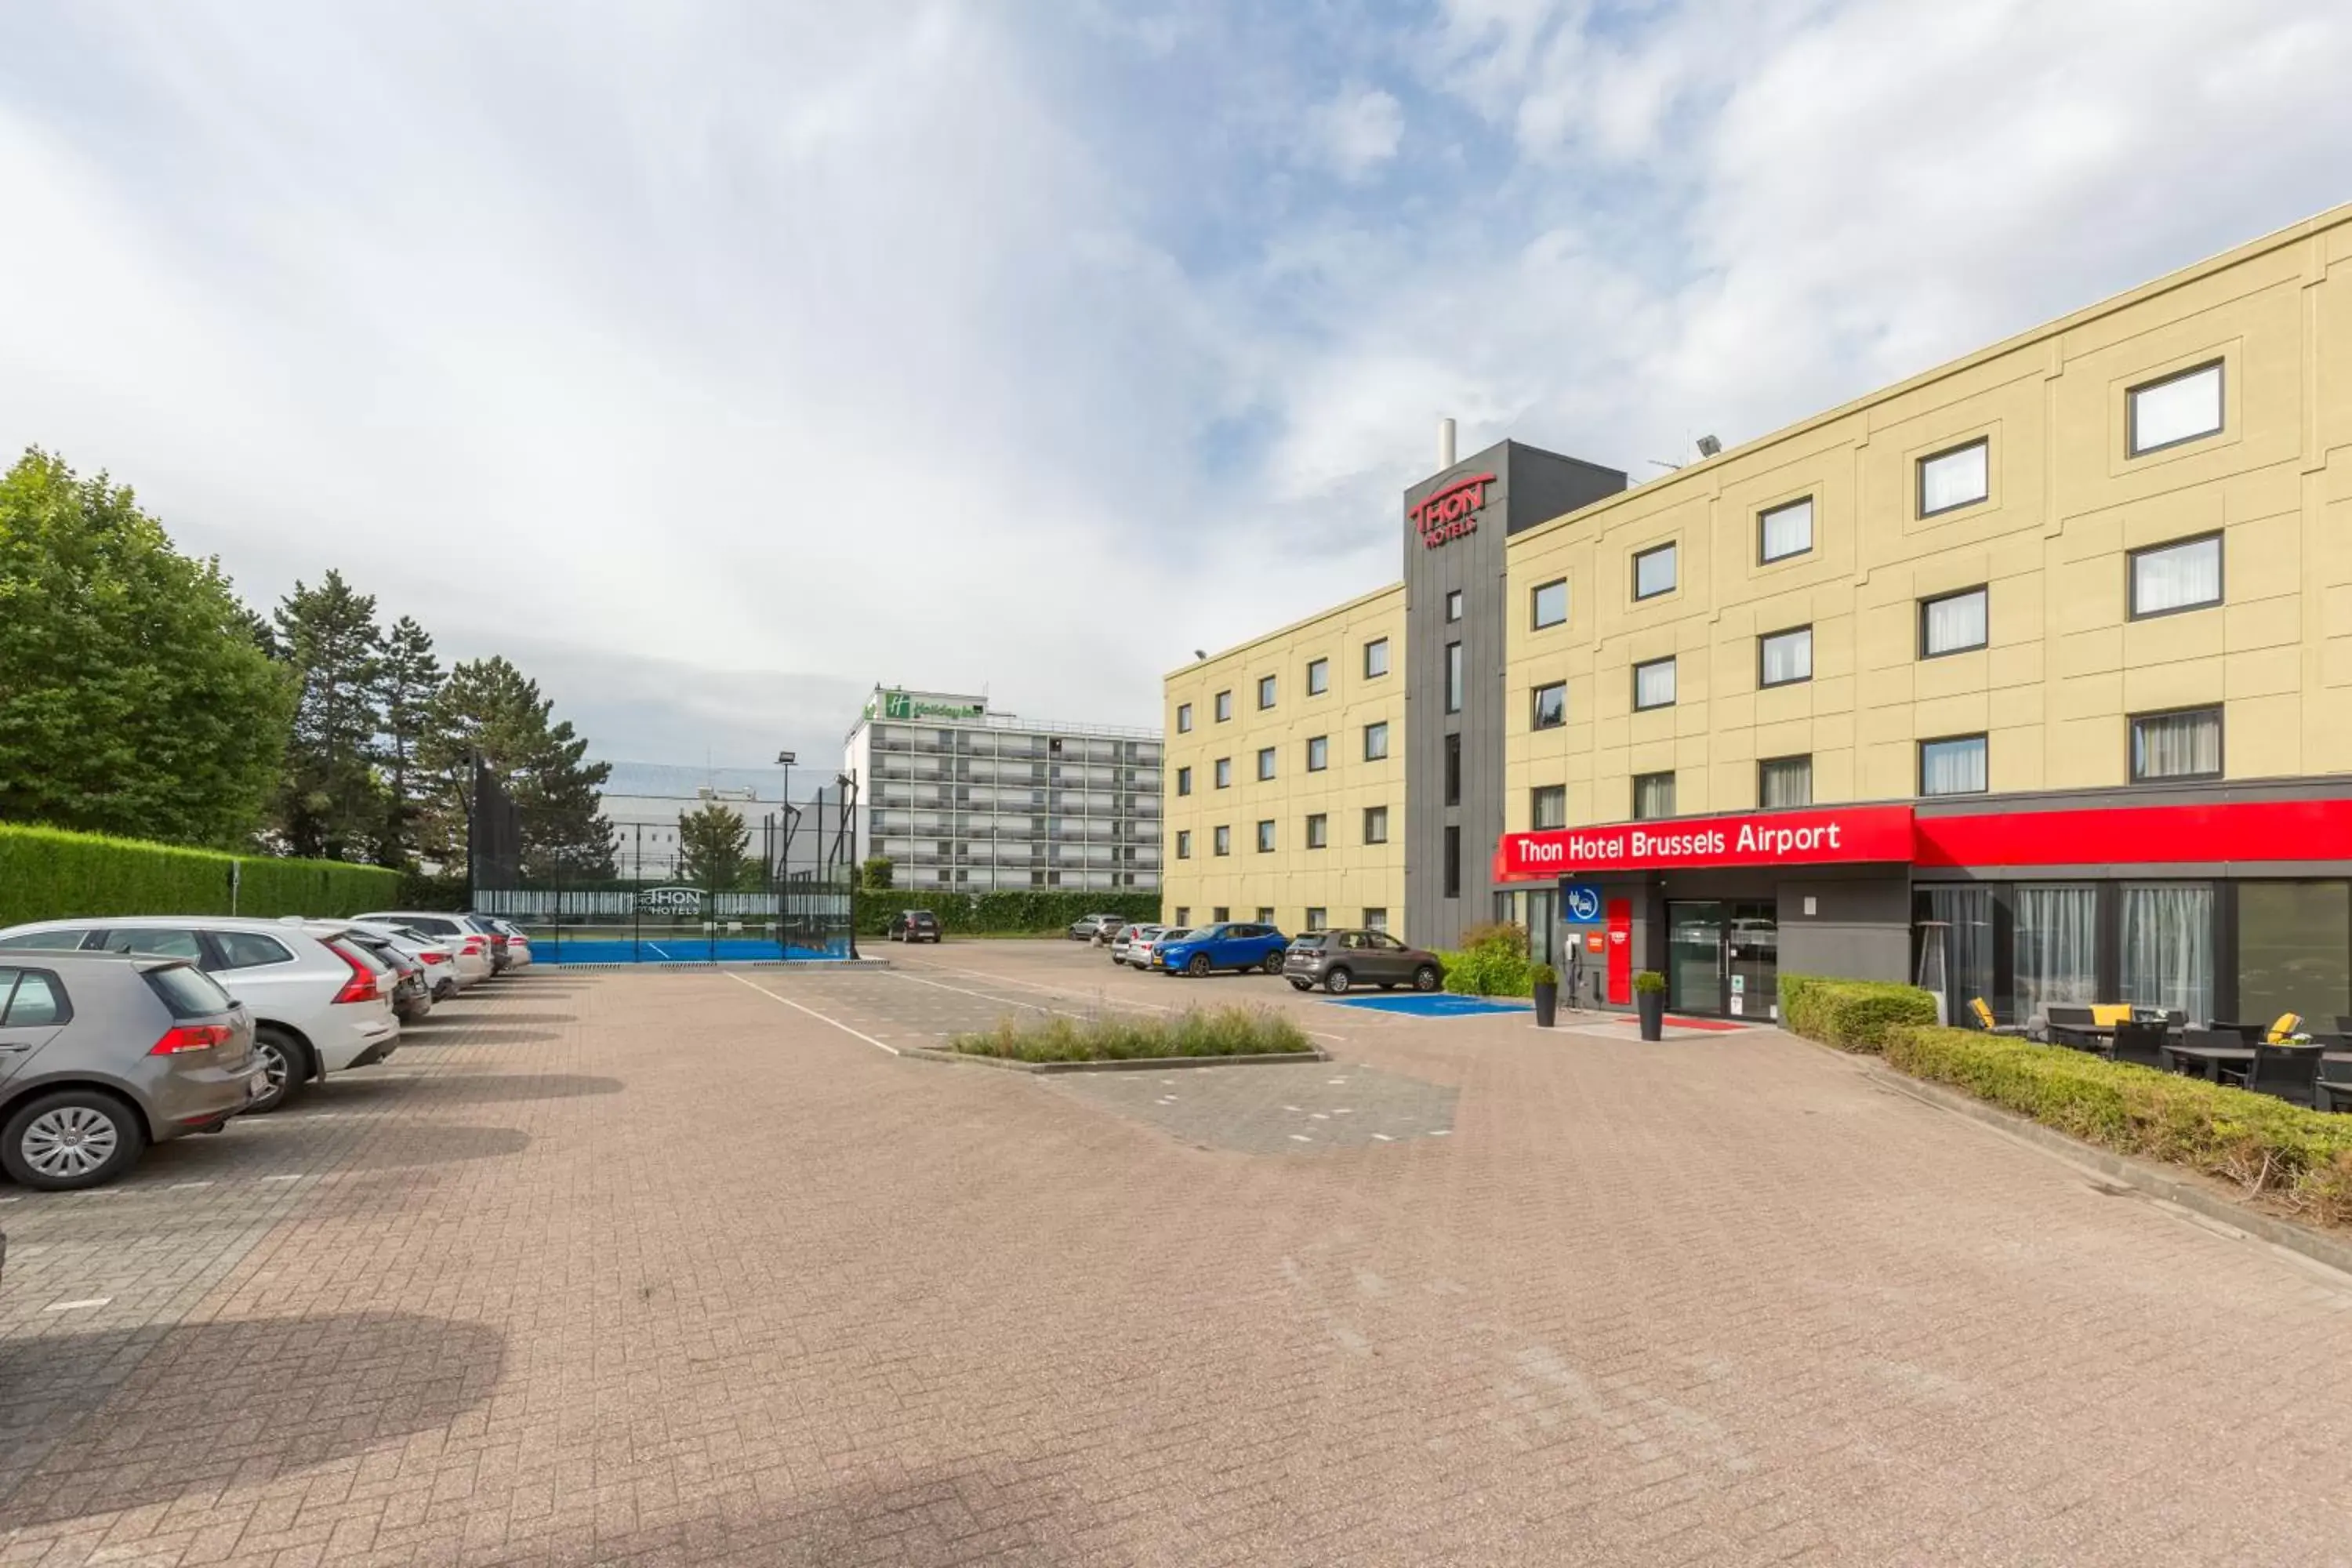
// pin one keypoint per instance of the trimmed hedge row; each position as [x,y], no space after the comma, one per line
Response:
[48,873]
[2299,1159]
[1005,912]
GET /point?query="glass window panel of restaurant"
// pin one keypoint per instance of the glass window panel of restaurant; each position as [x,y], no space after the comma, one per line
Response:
[2294,951]
[2166,941]
[2054,946]
[1964,916]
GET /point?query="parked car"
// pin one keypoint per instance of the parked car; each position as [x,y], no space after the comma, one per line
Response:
[475,943]
[412,992]
[444,975]
[1230,944]
[102,1054]
[913,925]
[1123,943]
[1140,950]
[318,1006]
[1091,926]
[1339,961]
[519,954]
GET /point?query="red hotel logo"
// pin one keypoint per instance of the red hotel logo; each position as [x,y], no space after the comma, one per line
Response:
[1451,512]
[1764,838]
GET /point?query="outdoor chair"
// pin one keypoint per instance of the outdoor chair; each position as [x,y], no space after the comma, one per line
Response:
[2209,1039]
[2334,1097]
[2066,1024]
[2105,1013]
[1982,1012]
[2284,1028]
[2290,1072]
[2343,1025]
[2140,1043]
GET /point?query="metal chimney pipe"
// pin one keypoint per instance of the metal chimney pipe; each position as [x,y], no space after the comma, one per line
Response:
[1445,443]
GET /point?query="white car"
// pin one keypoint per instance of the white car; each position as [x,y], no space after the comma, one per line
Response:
[319,1008]
[442,956]
[477,954]
[1122,946]
[517,940]
[1138,951]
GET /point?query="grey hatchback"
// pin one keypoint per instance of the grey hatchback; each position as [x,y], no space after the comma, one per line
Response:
[102,1054]
[1339,961]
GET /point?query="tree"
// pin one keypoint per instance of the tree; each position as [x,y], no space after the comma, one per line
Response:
[490,707]
[134,697]
[330,805]
[408,679]
[875,874]
[713,845]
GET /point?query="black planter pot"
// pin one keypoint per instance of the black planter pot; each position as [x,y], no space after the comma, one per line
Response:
[1547,1004]
[1652,1006]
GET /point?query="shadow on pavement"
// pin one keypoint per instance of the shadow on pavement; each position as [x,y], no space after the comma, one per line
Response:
[470,1089]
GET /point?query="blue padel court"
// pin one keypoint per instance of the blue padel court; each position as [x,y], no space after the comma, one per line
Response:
[1433,1004]
[676,950]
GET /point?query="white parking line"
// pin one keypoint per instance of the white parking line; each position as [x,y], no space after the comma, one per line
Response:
[813,1014]
[293,1178]
[77,1306]
[188,1186]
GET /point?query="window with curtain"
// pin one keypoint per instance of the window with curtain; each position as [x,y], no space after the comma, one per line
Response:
[1223,840]
[1653,796]
[1265,838]
[1319,677]
[1376,658]
[1784,781]
[1375,825]
[1453,605]
[1654,684]
[2166,937]
[1964,922]
[1785,530]
[1786,657]
[2183,577]
[1318,752]
[1224,773]
[1953,766]
[2183,745]
[1547,807]
[1453,678]
[2175,409]
[1955,478]
[1654,572]
[1376,742]
[1265,761]
[1266,691]
[2054,946]
[1952,622]
[1319,830]
[1551,706]
[1551,603]
[2293,939]
[1225,706]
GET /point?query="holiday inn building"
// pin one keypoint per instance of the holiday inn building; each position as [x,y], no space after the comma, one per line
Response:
[2030,675]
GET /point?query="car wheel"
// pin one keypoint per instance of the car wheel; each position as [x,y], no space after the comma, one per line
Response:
[1302,985]
[77,1138]
[1425,978]
[1338,981]
[285,1069]
[1272,964]
[1198,967]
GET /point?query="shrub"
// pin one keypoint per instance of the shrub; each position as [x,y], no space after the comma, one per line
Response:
[48,873]
[1214,1032]
[1491,961]
[1851,1014]
[1648,980]
[1543,974]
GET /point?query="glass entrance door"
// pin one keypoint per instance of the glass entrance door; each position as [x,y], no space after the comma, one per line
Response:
[1752,950]
[1695,977]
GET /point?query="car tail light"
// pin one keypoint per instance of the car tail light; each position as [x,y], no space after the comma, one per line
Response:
[473,947]
[431,957]
[190,1037]
[361,987]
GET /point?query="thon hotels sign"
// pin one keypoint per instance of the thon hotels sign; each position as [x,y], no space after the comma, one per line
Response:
[1812,836]
[1451,512]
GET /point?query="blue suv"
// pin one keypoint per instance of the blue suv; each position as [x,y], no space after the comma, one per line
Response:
[1230,945]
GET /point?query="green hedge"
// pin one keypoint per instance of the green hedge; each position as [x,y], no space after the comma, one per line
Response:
[47,873]
[1019,912]
[2299,1159]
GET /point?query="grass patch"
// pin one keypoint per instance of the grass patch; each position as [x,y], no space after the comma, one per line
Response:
[2296,1160]
[1110,1038]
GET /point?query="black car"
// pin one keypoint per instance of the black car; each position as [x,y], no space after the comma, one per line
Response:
[913,925]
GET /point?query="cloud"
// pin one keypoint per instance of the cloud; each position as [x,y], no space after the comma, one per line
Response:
[1359,129]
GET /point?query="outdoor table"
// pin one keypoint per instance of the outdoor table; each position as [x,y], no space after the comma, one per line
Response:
[2206,1058]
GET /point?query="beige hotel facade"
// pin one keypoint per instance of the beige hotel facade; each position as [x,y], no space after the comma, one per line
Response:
[2030,675]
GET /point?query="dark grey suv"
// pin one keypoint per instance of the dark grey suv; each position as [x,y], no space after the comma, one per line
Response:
[102,1054]
[1339,961]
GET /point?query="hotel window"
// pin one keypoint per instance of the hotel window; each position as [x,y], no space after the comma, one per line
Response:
[1654,684]
[1784,659]
[1219,913]
[1376,742]
[1548,807]
[2182,576]
[1183,718]
[1318,753]
[1266,691]
[1453,770]
[1317,917]
[1319,831]
[1784,781]
[2055,945]
[1376,918]
[1653,796]
[1319,677]
[1225,706]
[2166,932]
[1453,605]
[1785,530]
[1550,706]
[1265,763]
[1265,838]
[1222,840]
[2186,744]
[1960,476]
[1375,825]
[2175,409]
[1183,781]
[1654,572]
[1376,658]
[1183,915]
[1453,867]
[1224,773]
[2293,939]
[1183,844]
[1453,678]
[1952,622]
[1265,914]
[1953,766]
[1550,606]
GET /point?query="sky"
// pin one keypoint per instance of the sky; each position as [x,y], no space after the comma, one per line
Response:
[717,362]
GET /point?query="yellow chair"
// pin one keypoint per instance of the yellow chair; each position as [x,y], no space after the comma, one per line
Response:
[1982,1014]
[2106,1014]
[2283,1028]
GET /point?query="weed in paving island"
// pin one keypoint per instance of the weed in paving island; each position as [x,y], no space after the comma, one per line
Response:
[1109,1036]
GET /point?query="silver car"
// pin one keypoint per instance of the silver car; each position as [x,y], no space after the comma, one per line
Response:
[102,1054]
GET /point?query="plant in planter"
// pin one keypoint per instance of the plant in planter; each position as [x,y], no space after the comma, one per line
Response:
[1650,1003]
[1547,992]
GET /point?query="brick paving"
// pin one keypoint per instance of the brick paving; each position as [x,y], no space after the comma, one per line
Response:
[664,1268]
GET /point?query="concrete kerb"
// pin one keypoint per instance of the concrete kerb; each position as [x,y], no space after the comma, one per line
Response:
[1133,1064]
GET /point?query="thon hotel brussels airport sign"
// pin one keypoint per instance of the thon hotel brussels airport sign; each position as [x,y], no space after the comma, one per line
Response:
[1804,838]
[921,705]
[1452,511]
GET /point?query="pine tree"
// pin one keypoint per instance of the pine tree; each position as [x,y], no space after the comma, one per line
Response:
[331,804]
[714,846]
[490,707]
[408,681]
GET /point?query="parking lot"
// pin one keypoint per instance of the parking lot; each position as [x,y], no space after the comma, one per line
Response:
[693,1266]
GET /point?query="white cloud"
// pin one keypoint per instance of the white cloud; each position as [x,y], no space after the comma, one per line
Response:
[1359,129]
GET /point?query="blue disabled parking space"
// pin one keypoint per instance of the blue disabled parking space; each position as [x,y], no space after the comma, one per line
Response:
[1433,1004]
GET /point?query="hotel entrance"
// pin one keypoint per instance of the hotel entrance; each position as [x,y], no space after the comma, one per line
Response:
[1723,958]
